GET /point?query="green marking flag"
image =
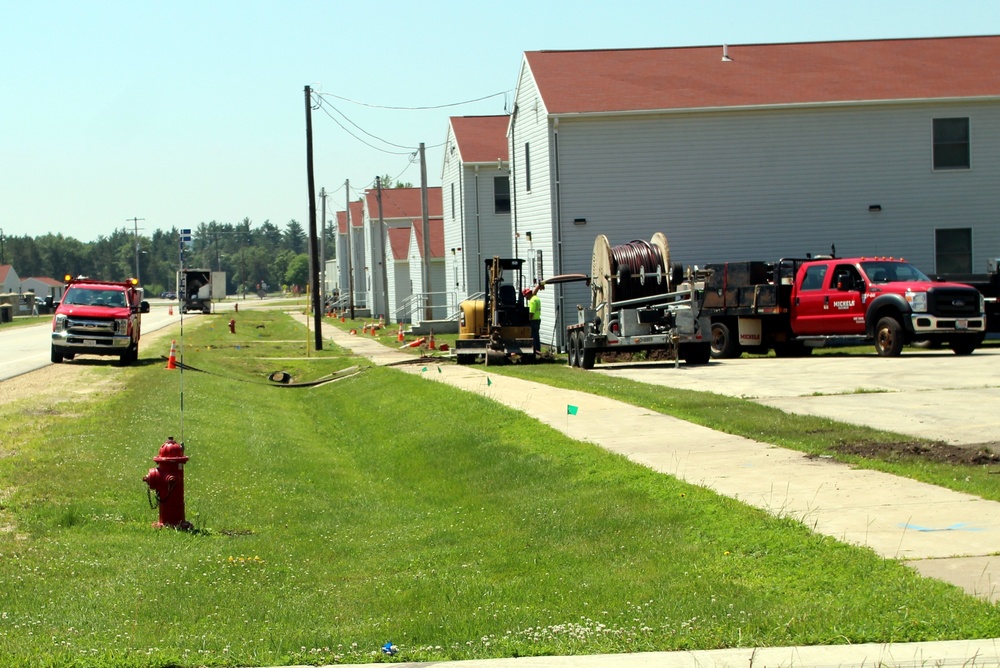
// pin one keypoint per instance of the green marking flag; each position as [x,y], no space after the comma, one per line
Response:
[439,369]
[423,370]
[488,381]
[571,409]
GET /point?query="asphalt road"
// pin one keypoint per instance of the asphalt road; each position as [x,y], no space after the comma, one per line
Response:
[932,394]
[24,349]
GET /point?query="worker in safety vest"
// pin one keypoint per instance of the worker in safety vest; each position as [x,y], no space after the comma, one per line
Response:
[535,311]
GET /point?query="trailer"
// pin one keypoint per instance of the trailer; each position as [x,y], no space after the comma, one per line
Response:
[196,288]
[639,303]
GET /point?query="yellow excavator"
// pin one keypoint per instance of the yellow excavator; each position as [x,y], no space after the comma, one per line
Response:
[496,327]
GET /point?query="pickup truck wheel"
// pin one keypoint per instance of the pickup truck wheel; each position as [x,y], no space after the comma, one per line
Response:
[888,337]
[724,344]
[130,355]
[965,345]
[57,357]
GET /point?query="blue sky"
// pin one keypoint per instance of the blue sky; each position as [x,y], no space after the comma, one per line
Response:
[185,112]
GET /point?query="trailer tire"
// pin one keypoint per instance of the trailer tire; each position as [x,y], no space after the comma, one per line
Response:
[587,357]
[696,353]
[888,337]
[724,345]
[573,349]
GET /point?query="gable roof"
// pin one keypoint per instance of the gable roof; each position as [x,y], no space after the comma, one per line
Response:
[399,242]
[403,203]
[6,270]
[481,139]
[51,282]
[357,217]
[436,228]
[803,73]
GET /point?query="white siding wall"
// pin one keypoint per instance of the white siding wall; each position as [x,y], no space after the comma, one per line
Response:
[765,184]
[398,274]
[453,220]
[534,210]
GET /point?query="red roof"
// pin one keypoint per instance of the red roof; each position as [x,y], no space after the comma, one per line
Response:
[436,226]
[399,242]
[766,74]
[403,203]
[357,217]
[481,138]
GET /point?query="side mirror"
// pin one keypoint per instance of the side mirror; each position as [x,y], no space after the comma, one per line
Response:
[144,307]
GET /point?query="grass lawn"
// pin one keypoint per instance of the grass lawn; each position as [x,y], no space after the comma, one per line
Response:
[384,508]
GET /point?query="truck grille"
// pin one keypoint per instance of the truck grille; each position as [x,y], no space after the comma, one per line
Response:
[953,302]
[90,327]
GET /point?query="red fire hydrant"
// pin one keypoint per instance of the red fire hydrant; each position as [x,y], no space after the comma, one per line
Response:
[167,482]
[232,325]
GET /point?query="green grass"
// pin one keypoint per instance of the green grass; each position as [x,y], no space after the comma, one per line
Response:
[814,435]
[25,321]
[383,508]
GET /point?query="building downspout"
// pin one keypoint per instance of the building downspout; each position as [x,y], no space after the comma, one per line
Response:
[479,231]
[561,300]
[513,182]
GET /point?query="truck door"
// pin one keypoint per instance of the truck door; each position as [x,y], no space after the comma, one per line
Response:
[837,308]
[808,301]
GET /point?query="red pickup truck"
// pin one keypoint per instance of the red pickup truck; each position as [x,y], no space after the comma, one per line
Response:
[794,305]
[98,318]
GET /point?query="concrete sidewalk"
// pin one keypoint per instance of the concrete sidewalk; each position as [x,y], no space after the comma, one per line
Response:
[941,533]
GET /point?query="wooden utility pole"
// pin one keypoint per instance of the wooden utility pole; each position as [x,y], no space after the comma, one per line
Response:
[383,235]
[322,248]
[426,225]
[313,246]
[135,223]
[350,253]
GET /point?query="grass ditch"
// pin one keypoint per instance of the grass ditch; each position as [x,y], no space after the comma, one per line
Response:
[332,520]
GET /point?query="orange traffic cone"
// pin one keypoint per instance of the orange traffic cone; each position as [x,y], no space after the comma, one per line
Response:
[341,316]
[354,332]
[375,329]
[399,337]
[430,344]
[172,359]
[415,344]
[170,310]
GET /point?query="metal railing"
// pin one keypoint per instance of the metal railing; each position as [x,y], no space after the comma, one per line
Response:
[423,306]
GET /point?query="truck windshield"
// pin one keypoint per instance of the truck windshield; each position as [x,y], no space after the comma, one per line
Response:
[879,271]
[86,297]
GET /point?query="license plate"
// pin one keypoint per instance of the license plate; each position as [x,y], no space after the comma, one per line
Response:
[90,342]
[961,324]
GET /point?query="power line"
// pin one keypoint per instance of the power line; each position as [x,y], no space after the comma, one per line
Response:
[426,108]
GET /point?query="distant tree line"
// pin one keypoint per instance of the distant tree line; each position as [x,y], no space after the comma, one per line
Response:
[248,254]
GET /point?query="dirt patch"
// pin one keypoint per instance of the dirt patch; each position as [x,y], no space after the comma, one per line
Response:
[978,454]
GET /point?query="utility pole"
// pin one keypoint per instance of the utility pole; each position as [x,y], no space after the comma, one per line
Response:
[135,223]
[313,246]
[383,236]
[3,254]
[350,253]
[322,248]
[425,222]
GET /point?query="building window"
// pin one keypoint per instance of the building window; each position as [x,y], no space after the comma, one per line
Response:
[501,194]
[527,168]
[951,143]
[953,250]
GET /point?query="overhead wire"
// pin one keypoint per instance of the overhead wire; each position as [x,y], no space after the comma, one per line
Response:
[423,108]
